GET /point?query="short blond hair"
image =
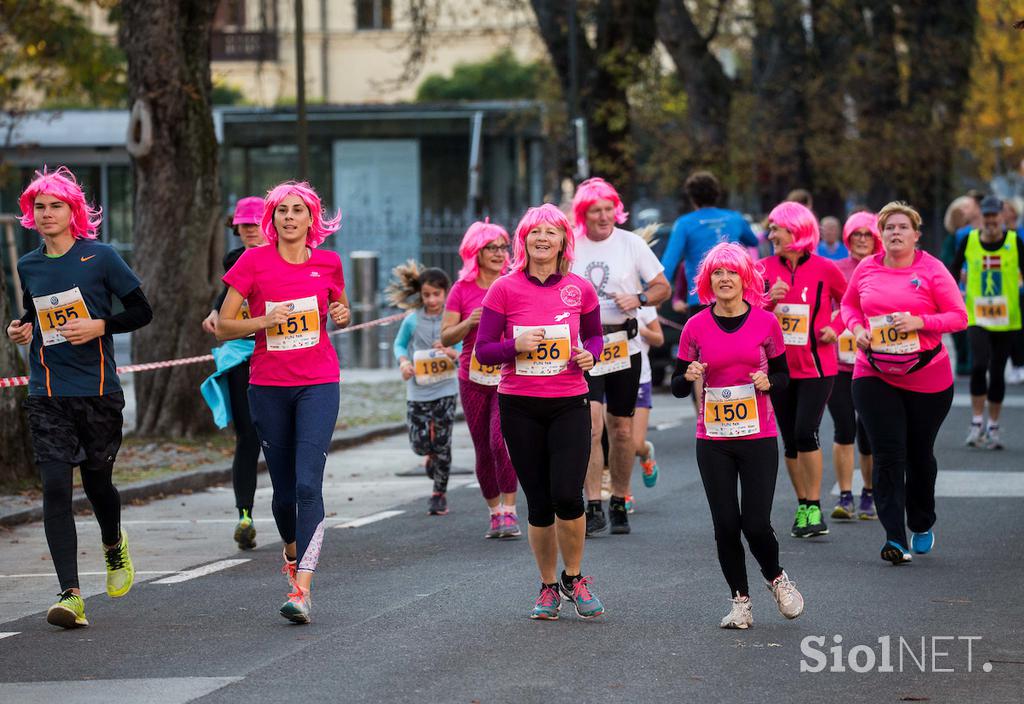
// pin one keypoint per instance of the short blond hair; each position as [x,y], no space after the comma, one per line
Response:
[898,207]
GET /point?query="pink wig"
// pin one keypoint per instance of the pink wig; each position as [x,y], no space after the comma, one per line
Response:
[61,184]
[863,221]
[318,229]
[732,257]
[800,221]
[478,236]
[588,193]
[546,213]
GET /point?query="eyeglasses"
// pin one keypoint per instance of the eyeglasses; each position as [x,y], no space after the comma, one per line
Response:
[496,248]
[863,234]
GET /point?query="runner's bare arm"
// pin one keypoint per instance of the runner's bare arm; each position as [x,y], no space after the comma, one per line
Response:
[231,329]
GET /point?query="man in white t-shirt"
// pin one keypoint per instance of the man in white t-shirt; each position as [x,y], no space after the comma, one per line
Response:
[626,275]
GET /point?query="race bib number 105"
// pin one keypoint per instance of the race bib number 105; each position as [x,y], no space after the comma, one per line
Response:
[886,338]
[300,330]
[552,355]
[56,310]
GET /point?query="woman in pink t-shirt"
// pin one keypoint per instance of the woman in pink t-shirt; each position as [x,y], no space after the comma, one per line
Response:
[898,305]
[805,289]
[532,323]
[291,287]
[735,348]
[861,238]
[484,253]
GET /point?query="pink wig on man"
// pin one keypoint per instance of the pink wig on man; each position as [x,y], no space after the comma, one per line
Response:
[478,236]
[540,215]
[863,221]
[62,185]
[319,228]
[800,222]
[731,257]
[588,193]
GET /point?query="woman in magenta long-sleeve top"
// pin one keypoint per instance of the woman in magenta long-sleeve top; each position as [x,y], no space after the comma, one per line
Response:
[898,305]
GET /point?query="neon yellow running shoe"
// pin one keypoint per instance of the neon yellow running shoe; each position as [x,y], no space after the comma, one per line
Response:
[120,571]
[68,612]
[245,532]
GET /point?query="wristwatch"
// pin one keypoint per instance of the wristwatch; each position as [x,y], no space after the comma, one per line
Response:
[642,297]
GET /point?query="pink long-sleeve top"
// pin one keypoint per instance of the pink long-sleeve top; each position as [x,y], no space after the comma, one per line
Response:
[817,284]
[924,289]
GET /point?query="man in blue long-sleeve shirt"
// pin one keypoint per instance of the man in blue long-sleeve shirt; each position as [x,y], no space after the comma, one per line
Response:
[697,232]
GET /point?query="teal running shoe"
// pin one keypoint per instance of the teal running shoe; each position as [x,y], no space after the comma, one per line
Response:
[922,543]
[586,602]
[547,605]
[649,466]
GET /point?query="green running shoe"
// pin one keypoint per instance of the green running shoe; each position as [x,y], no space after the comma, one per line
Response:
[799,522]
[245,532]
[68,612]
[120,571]
[815,523]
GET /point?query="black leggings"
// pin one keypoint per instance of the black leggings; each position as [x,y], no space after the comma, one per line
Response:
[848,425]
[755,463]
[548,441]
[247,441]
[989,351]
[59,520]
[902,426]
[799,408]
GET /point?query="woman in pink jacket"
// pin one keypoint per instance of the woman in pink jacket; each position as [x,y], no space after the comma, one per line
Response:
[898,305]
[805,288]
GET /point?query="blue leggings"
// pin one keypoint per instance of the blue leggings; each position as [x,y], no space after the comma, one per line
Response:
[295,424]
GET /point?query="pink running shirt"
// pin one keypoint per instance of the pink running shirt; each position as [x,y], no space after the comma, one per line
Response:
[464,298]
[732,357]
[261,275]
[527,304]
[816,285]
[925,289]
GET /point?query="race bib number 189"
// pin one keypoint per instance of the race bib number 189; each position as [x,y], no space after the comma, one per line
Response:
[432,367]
[300,330]
[56,310]
[552,355]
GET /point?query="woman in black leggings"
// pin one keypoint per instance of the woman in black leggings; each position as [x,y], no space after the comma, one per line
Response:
[532,322]
[246,226]
[736,348]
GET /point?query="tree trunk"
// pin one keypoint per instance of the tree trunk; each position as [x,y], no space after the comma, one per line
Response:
[15,446]
[177,205]
[624,35]
[709,91]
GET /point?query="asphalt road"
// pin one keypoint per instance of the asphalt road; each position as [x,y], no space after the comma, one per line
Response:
[412,608]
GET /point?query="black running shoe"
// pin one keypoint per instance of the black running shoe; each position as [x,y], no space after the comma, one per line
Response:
[596,522]
[438,505]
[618,517]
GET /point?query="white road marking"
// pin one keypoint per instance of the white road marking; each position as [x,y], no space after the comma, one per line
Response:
[200,571]
[200,521]
[473,485]
[372,518]
[163,690]
[1011,401]
[80,574]
[9,634]
[952,483]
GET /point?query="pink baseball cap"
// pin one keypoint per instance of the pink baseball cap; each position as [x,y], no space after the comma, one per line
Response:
[248,211]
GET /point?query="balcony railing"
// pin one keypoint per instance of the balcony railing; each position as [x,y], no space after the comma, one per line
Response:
[243,46]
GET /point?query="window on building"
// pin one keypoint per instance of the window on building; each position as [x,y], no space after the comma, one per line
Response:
[229,14]
[373,14]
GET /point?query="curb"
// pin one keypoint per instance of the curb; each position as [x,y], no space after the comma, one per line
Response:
[205,476]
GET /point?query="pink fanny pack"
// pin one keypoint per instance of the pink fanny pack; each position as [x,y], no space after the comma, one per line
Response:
[901,364]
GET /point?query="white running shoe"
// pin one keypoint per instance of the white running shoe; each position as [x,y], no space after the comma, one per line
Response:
[992,441]
[740,616]
[976,436]
[789,600]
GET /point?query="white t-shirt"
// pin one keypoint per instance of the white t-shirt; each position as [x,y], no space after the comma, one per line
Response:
[622,263]
[645,316]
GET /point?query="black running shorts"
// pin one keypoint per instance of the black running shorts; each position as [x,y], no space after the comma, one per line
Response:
[78,430]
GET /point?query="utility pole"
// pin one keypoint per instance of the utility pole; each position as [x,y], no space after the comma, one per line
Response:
[302,136]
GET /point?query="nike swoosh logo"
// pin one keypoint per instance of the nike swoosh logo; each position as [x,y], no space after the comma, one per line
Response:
[85,259]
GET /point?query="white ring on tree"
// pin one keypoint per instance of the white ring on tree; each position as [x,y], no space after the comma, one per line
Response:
[141,123]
